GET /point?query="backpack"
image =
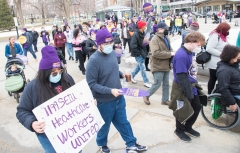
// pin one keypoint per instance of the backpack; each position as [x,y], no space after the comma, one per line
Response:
[204,57]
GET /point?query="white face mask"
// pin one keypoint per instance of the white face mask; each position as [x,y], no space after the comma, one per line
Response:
[93,37]
[108,49]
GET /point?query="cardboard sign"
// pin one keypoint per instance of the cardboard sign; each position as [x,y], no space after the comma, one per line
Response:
[148,7]
[72,119]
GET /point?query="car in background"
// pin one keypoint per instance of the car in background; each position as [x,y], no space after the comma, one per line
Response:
[198,15]
[210,14]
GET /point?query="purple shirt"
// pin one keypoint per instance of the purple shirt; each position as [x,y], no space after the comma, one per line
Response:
[183,63]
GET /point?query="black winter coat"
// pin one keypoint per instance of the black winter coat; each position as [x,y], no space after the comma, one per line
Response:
[228,82]
[89,46]
[136,45]
[35,35]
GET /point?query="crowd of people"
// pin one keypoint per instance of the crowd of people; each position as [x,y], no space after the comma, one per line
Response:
[148,41]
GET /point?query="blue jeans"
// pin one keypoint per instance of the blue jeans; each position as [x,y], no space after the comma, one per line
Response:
[46,144]
[35,45]
[159,78]
[69,49]
[140,67]
[30,49]
[115,112]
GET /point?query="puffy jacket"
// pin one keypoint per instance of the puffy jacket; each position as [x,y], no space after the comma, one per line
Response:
[60,41]
[136,45]
[29,37]
[228,81]
[29,101]
[89,46]
[17,48]
[160,55]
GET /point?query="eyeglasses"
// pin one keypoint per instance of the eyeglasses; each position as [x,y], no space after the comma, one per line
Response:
[56,73]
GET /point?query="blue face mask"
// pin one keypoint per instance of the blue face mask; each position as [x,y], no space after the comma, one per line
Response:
[55,79]
[108,49]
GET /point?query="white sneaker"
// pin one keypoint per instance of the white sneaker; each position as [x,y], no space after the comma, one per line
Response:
[133,81]
[148,85]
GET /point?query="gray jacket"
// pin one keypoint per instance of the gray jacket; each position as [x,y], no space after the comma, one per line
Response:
[214,46]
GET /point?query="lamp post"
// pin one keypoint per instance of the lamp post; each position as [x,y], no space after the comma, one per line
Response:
[14,18]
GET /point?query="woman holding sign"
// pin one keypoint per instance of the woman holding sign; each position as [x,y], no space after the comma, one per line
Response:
[51,80]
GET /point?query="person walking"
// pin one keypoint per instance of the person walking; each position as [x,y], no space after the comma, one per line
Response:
[77,40]
[27,46]
[126,36]
[103,77]
[35,36]
[40,90]
[183,90]
[60,41]
[115,19]
[69,35]
[45,36]
[161,54]
[91,45]
[12,49]
[54,31]
[216,42]
[110,26]
[139,52]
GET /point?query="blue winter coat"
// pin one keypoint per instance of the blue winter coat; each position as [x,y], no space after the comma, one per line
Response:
[17,47]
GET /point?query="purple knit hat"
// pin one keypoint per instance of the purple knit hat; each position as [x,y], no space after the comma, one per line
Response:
[154,28]
[91,30]
[103,36]
[97,20]
[49,59]
[24,29]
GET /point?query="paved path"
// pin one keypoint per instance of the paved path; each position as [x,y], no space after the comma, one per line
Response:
[153,125]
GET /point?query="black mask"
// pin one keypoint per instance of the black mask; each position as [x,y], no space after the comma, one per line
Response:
[165,32]
[59,31]
[227,33]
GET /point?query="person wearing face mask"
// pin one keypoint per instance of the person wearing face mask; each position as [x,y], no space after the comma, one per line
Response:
[140,53]
[45,36]
[77,41]
[60,41]
[40,90]
[161,54]
[216,42]
[103,77]
[91,45]
[184,89]
[228,76]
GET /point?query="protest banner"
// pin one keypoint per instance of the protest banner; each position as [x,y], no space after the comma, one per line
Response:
[72,119]
[148,7]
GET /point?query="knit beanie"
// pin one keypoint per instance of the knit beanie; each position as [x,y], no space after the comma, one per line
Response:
[194,26]
[103,36]
[24,29]
[141,24]
[49,59]
[154,28]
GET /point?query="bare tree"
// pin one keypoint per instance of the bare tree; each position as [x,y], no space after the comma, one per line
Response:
[18,6]
[41,6]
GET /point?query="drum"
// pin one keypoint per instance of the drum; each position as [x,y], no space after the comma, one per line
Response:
[22,39]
